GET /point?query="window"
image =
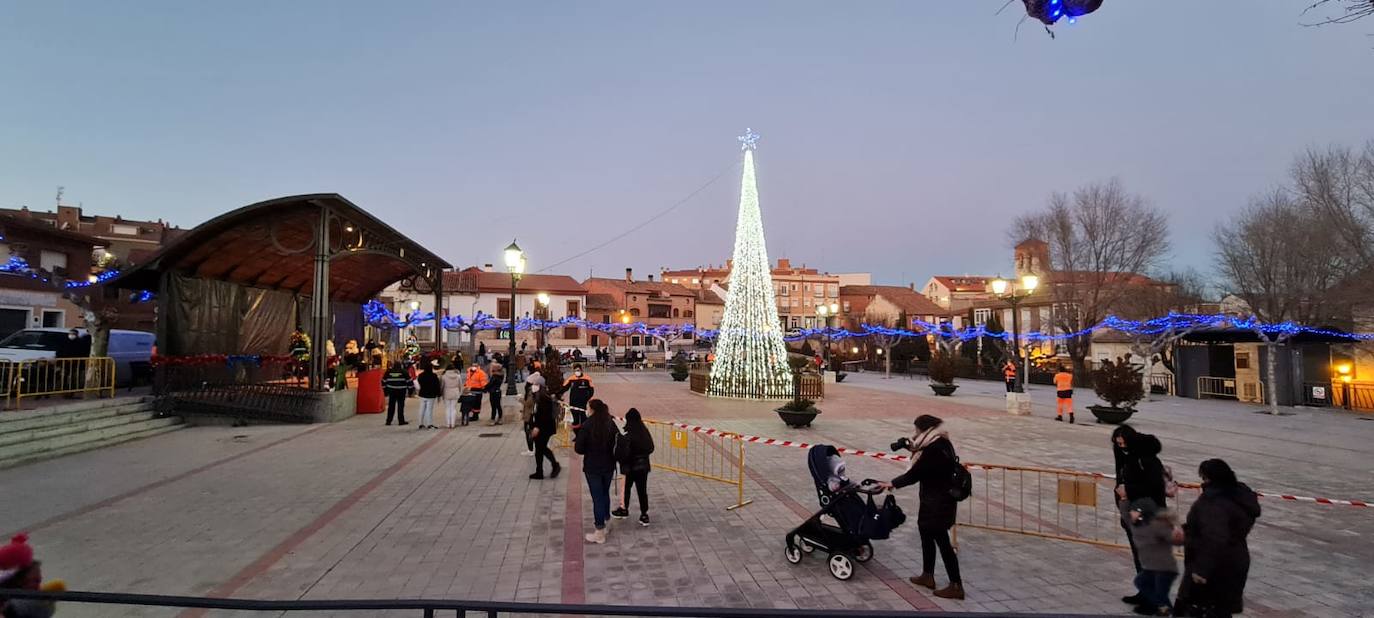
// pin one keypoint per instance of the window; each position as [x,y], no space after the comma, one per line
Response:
[570,332]
[782,290]
[634,340]
[687,336]
[53,318]
[423,333]
[634,312]
[832,290]
[503,308]
[845,308]
[659,310]
[53,261]
[1242,360]
[820,291]
[981,316]
[595,340]
[674,281]
[796,321]
[794,287]
[687,313]
[574,309]
[127,230]
[696,281]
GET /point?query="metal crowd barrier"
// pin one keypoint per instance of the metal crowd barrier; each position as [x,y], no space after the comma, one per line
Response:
[1056,504]
[58,376]
[717,457]
[1353,395]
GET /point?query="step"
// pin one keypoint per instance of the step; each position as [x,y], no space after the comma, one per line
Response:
[25,449]
[58,404]
[89,446]
[76,423]
[28,420]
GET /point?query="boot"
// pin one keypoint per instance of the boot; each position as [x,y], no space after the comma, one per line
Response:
[924,580]
[1071,418]
[556,469]
[1059,418]
[952,591]
[598,536]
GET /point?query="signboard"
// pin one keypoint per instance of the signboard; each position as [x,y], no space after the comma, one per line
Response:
[1319,393]
[678,439]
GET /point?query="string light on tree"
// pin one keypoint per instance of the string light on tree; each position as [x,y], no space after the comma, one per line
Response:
[751,357]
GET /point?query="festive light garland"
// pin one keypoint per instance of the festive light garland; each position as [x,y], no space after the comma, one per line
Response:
[378,315]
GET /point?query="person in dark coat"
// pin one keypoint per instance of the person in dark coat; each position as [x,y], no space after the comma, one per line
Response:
[635,466]
[544,425]
[933,465]
[396,383]
[1216,557]
[1139,475]
[595,442]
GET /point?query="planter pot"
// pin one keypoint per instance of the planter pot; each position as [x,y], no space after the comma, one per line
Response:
[679,377]
[798,419]
[943,390]
[1111,415]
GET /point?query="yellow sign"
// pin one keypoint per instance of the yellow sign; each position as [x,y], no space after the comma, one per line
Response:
[679,439]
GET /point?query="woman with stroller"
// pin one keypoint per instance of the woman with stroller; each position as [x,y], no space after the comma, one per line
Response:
[932,465]
[635,466]
[595,442]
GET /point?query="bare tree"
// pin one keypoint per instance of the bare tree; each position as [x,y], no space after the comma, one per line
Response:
[1100,237]
[1278,257]
[1177,291]
[1337,185]
[1349,11]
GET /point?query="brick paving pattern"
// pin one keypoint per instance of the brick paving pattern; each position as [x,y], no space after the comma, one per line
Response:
[358,510]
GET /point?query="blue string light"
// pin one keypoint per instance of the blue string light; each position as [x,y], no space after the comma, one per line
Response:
[379,315]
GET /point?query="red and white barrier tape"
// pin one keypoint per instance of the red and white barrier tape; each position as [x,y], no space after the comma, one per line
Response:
[711,431]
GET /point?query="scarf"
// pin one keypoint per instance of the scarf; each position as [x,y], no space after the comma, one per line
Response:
[924,439]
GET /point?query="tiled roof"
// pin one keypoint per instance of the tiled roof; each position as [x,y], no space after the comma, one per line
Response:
[642,287]
[906,299]
[965,283]
[602,301]
[474,280]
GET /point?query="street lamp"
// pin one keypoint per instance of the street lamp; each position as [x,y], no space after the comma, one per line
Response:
[515,263]
[1344,370]
[414,308]
[1014,297]
[826,313]
[543,300]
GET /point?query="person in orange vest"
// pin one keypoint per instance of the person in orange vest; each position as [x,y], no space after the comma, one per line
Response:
[1063,385]
[1009,374]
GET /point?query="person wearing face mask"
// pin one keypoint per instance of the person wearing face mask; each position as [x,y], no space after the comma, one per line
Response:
[1139,475]
[579,389]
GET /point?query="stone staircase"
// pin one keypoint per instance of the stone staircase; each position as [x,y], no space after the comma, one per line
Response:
[32,435]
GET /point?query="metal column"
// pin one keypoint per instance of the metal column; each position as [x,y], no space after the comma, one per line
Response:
[320,322]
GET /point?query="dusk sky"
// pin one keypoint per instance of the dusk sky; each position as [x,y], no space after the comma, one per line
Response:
[898,137]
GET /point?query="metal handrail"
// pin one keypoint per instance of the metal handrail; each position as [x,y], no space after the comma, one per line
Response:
[491,608]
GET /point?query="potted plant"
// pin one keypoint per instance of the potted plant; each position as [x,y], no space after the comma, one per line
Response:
[680,369]
[798,412]
[1119,384]
[942,370]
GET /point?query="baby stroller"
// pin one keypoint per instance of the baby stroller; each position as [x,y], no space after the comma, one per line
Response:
[848,540]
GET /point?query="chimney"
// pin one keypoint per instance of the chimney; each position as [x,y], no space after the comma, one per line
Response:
[629,275]
[487,267]
[651,278]
[784,263]
[912,285]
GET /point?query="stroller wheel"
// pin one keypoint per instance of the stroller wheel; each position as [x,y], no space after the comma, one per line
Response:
[793,553]
[864,553]
[841,566]
[806,547]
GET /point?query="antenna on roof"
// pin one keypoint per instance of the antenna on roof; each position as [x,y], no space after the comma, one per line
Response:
[60,190]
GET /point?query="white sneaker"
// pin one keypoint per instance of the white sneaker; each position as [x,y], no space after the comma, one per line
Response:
[527,453]
[597,537]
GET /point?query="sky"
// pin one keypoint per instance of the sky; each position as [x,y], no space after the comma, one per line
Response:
[899,137]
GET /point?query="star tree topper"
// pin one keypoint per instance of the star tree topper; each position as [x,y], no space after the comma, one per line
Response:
[748,141]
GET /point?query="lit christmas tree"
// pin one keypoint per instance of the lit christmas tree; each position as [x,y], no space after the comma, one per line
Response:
[751,358]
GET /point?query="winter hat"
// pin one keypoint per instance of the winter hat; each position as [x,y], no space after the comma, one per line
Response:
[926,422]
[1146,507]
[15,556]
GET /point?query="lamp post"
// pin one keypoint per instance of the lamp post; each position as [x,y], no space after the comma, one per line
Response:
[543,313]
[515,263]
[1344,370]
[1014,297]
[826,313]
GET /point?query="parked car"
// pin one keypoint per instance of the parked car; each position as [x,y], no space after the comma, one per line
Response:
[132,350]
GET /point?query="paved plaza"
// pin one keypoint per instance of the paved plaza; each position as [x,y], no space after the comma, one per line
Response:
[359,510]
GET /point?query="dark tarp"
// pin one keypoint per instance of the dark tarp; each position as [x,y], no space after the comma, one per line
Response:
[268,320]
[348,324]
[204,316]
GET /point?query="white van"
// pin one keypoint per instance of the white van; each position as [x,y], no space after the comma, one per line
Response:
[132,350]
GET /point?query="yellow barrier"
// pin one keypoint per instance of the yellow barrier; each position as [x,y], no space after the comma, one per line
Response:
[1048,503]
[60,376]
[718,457]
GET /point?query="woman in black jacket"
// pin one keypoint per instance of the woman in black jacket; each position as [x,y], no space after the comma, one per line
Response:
[932,465]
[542,427]
[635,466]
[1139,474]
[1216,557]
[595,442]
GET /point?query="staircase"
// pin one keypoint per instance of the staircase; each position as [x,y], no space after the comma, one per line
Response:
[32,435]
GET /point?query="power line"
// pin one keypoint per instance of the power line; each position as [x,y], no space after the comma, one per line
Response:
[641,225]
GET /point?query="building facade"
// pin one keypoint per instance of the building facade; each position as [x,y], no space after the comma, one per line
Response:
[26,302]
[125,241]
[475,290]
[798,289]
[654,303]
